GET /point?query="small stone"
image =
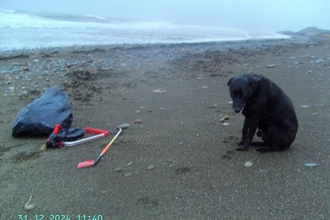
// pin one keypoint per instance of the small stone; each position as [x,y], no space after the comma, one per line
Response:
[270,66]
[263,172]
[11,88]
[314,114]
[205,87]
[36,60]
[129,164]
[248,164]
[224,118]
[310,164]
[159,91]
[305,106]
[151,167]
[28,207]
[118,169]
[230,102]
[225,124]
[127,174]
[137,121]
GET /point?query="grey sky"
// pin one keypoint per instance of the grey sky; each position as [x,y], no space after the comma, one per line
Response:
[270,15]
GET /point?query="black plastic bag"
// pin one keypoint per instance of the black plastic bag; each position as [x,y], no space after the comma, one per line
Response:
[41,115]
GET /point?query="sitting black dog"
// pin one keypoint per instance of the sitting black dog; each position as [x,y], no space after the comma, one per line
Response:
[266,107]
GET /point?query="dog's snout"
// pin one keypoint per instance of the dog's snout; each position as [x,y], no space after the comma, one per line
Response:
[237,109]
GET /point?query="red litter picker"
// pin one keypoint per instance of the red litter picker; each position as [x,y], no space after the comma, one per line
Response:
[60,138]
[89,162]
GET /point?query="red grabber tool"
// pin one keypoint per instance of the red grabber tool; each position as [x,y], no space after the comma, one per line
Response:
[98,134]
[56,139]
[89,162]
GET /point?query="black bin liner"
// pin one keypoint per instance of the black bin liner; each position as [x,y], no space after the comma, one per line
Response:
[41,115]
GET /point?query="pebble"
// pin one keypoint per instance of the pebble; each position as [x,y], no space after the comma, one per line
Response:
[138,121]
[314,114]
[225,124]
[129,164]
[205,87]
[248,164]
[11,88]
[28,207]
[224,118]
[159,91]
[127,174]
[270,66]
[305,106]
[262,172]
[118,169]
[310,164]
[151,167]
[230,102]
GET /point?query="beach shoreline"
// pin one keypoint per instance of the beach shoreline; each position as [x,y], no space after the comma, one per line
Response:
[294,39]
[196,171]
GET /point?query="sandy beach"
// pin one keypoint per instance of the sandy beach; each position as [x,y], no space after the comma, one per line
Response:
[179,160]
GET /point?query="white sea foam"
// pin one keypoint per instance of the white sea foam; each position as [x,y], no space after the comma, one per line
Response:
[34,30]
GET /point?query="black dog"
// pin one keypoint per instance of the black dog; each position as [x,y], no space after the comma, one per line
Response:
[266,107]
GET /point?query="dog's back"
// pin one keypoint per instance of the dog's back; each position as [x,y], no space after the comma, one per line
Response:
[275,107]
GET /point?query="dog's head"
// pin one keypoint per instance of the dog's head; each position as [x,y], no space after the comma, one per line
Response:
[241,88]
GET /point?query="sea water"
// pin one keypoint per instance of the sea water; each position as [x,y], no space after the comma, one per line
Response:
[21,30]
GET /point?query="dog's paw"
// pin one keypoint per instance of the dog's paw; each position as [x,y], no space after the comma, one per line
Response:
[240,143]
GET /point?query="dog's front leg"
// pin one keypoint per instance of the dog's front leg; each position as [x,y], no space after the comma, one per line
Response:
[252,127]
[244,131]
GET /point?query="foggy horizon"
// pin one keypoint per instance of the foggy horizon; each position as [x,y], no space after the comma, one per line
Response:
[254,15]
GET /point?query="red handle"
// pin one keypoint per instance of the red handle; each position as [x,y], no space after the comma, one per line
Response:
[96,131]
[57,128]
[53,135]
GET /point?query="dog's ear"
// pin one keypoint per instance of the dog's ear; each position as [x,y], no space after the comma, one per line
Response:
[254,80]
[256,77]
[229,82]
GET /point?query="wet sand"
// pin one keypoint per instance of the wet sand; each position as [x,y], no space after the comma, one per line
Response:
[197,173]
